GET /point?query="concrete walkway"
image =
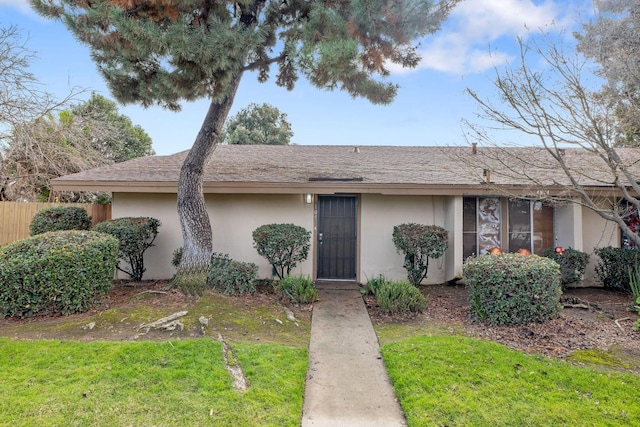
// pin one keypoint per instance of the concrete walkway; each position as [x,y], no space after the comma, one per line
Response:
[347,384]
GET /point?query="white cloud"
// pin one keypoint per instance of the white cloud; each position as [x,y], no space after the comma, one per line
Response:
[481,34]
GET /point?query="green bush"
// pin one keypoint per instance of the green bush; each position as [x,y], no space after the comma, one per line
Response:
[615,265]
[58,272]
[512,289]
[299,289]
[283,245]
[400,297]
[60,218]
[418,243]
[231,277]
[572,262]
[136,235]
[177,257]
[373,285]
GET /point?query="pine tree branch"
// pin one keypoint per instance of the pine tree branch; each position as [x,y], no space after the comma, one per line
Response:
[264,62]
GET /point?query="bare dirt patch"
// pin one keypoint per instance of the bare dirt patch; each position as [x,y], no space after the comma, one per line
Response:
[129,308]
[600,319]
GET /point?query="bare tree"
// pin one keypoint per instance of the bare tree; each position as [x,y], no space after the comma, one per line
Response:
[560,106]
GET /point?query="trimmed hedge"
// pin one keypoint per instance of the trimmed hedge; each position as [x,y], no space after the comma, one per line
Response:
[572,262]
[418,243]
[615,266]
[231,277]
[60,218]
[299,289]
[512,289]
[283,245]
[136,235]
[59,272]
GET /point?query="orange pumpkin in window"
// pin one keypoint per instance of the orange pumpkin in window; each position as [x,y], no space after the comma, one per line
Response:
[495,251]
[523,251]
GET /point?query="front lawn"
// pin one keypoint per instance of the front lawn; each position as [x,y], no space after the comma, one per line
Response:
[460,381]
[181,383]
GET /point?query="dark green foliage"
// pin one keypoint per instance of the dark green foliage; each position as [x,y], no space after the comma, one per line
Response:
[257,124]
[512,289]
[400,298]
[60,218]
[299,289]
[572,262]
[615,265]
[231,277]
[59,272]
[136,235]
[373,285]
[177,256]
[418,243]
[283,245]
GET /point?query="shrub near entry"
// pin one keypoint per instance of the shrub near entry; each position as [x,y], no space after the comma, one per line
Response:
[418,243]
[615,266]
[512,289]
[60,272]
[572,262]
[60,218]
[299,289]
[400,298]
[283,245]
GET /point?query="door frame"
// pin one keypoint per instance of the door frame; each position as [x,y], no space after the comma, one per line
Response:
[315,249]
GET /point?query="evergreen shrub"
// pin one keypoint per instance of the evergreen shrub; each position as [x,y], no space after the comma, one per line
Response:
[231,277]
[59,218]
[572,262]
[283,245]
[299,289]
[512,289]
[400,297]
[373,285]
[136,235]
[615,267]
[60,272]
[418,243]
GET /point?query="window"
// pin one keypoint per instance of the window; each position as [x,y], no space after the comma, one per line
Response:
[525,225]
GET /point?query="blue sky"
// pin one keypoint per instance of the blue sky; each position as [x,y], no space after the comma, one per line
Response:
[429,108]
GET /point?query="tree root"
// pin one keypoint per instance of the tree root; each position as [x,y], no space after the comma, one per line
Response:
[232,365]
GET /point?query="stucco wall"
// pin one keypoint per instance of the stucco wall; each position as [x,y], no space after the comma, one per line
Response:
[597,233]
[378,215]
[233,218]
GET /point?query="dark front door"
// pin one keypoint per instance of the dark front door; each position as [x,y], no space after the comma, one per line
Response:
[337,237]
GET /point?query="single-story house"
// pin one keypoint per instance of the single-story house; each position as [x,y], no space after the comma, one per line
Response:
[351,197]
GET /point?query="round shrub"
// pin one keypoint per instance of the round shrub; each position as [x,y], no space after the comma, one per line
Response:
[136,235]
[615,267]
[512,289]
[60,218]
[418,243]
[400,298]
[572,262]
[58,272]
[283,245]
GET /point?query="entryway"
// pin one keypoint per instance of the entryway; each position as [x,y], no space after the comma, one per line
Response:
[337,237]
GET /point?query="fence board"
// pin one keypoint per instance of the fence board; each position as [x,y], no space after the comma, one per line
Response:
[15,217]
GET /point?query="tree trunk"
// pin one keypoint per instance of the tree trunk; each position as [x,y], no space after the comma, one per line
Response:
[194,219]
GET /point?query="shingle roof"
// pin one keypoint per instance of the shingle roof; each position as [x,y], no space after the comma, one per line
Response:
[354,167]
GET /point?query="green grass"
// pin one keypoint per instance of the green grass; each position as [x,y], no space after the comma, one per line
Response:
[71,383]
[459,381]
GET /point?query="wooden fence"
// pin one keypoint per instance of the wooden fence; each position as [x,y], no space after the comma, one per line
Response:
[15,217]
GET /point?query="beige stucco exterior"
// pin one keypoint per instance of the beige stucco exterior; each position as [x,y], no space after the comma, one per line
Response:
[235,216]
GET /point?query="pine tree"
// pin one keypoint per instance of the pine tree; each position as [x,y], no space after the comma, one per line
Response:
[165,51]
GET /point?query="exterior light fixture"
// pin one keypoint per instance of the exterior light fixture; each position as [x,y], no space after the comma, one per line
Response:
[308,198]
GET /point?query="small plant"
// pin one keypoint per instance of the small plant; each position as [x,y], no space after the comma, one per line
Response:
[59,272]
[136,235]
[373,285]
[283,245]
[615,266]
[418,243]
[511,289]
[299,289]
[231,277]
[177,257]
[400,297]
[572,262]
[60,218]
